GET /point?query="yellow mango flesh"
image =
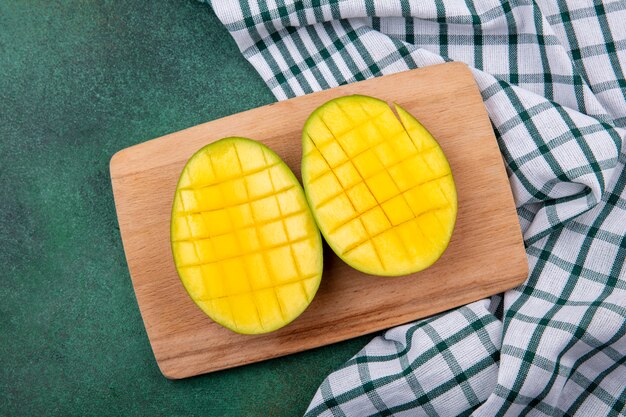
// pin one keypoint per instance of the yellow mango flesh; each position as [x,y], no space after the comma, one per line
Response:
[244,242]
[380,188]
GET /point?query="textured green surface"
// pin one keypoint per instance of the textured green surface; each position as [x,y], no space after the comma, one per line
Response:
[78,82]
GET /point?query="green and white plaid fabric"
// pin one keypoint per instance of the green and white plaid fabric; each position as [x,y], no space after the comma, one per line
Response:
[551,74]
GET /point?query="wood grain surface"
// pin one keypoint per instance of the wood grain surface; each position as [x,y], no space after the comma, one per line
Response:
[486,254]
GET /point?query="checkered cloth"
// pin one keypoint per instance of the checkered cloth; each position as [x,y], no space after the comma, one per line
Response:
[551,74]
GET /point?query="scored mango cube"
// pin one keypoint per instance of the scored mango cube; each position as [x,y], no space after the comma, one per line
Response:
[394,213]
[245,244]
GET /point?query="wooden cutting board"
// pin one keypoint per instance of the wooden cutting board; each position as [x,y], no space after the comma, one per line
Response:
[486,254]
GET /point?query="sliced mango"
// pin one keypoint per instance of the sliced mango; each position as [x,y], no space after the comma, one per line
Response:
[379,186]
[244,241]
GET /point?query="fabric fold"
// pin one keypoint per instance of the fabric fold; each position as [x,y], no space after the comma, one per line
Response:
[403,370]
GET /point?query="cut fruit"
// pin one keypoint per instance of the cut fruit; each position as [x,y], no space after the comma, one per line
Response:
[244,241]
[380,188]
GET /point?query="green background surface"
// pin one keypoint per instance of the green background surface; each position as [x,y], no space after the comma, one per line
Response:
[80,80]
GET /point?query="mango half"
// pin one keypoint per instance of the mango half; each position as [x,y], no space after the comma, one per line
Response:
[380,188]
[244,242]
